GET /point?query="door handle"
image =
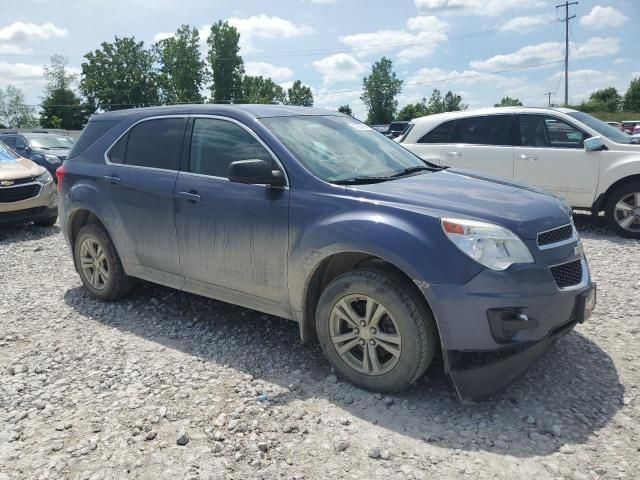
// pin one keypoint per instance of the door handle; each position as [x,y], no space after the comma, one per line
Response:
[113,180]
[191,197]
[454,154]
[529,158]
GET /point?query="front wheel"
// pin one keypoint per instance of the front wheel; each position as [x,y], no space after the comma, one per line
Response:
[375,330]
[623,210]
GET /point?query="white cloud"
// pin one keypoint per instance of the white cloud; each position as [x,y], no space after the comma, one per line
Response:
[547,52]
[488,8]
[21,75]
[339,67]
[264,26]
[635,75]
[25,32]
[421,38]
[267,70]
[602,17]
[162,36]
[619,61]
[525,24]
[433,76]
[12,49]
[322,2]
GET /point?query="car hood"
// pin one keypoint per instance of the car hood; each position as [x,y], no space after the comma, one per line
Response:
[62,153]
[457,193]
[19,168]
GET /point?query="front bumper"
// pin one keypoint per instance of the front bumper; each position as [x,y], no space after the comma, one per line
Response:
[481,358]
[43,205]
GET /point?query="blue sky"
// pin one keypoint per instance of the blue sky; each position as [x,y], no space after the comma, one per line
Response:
[472,47]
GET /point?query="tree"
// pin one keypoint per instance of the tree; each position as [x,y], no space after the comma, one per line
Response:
[632,97]
[14,112]
[346,109]
[509,102]
[451,102]
[299,94]
[606,99]
[182,70]
[260,90]
[61,107]
[226,63]
[414,110]
[120,75]
[379,92]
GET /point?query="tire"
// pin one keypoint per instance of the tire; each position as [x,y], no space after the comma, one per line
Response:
[407,328]
[615,217]
[117,284]
[47,222]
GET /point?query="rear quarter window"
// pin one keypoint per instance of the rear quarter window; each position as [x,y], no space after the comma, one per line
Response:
[94,130]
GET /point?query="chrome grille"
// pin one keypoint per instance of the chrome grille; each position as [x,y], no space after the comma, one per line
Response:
[557,235]
[568,274]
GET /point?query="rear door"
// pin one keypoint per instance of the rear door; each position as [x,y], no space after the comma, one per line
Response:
[232,237]
[551,155]
[483,144]
[139,177]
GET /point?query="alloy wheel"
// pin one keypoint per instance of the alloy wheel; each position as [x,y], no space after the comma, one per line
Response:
[627,212]
[93,262]
[365,335]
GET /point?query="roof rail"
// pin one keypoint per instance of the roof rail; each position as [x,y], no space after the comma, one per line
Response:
[8,130]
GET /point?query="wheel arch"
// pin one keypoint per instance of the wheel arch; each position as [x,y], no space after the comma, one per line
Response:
[601,202]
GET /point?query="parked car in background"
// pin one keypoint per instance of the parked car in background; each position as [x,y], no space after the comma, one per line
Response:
[632,127]
[381,128]
[614,124]
[313,216]
[397,128]
[46,149]
[590,164]
[27,191]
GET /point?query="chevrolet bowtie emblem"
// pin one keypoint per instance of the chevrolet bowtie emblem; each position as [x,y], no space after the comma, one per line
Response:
[6,183]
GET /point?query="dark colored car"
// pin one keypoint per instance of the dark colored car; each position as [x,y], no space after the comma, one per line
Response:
[46,149]
[313,216]
[397,128]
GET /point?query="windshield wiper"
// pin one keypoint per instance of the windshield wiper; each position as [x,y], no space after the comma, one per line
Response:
[360,180]
[410,170]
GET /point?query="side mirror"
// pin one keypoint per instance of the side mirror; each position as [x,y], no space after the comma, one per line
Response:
[255,172]
[594,143]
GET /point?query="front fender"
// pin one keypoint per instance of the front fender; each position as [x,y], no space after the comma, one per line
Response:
[624,166]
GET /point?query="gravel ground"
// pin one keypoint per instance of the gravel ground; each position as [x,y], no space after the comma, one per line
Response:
[171,385]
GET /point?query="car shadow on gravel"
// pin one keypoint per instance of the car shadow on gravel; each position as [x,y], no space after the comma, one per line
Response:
[571,393]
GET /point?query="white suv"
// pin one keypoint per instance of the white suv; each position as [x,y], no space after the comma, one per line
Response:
[589,163]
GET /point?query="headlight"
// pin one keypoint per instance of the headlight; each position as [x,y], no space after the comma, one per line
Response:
[44,178]
[494,247]
[51,158]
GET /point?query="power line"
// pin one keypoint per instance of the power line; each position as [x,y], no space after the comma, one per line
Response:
[566,47]
[586,72]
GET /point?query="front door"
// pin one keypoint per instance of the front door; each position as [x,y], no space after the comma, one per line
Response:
[482,144]
[551,155]
[139,179]
[232,237]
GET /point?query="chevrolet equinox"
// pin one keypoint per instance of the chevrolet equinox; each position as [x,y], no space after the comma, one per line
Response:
[313,216]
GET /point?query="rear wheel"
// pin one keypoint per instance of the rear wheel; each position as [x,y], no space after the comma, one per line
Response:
[623,210]
[374,331]
[99,265]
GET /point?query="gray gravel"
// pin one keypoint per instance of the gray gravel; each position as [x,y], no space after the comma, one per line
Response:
[171,385]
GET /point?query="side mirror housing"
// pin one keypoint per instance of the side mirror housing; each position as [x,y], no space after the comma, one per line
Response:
[256,172]
[594,144]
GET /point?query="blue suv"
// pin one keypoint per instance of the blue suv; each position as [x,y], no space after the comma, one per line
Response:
[310,215]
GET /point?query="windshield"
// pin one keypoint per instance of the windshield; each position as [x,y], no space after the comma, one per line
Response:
[6,154]
[51,142]
[339,148]
[604,129]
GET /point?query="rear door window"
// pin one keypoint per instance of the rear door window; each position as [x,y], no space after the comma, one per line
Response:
[484,130]
[440,134]
[152,143]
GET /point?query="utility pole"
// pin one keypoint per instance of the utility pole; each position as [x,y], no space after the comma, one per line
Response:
[548,94]
[566,46]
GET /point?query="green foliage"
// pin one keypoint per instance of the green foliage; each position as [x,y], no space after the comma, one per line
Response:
[414,110]
[261,90]
[509,102]
[299,94]
[632,97]
[346,109]
[14,112]
[61,107]
[120,75]
[604,100]
[182,71]
[380,89]
[225,62]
